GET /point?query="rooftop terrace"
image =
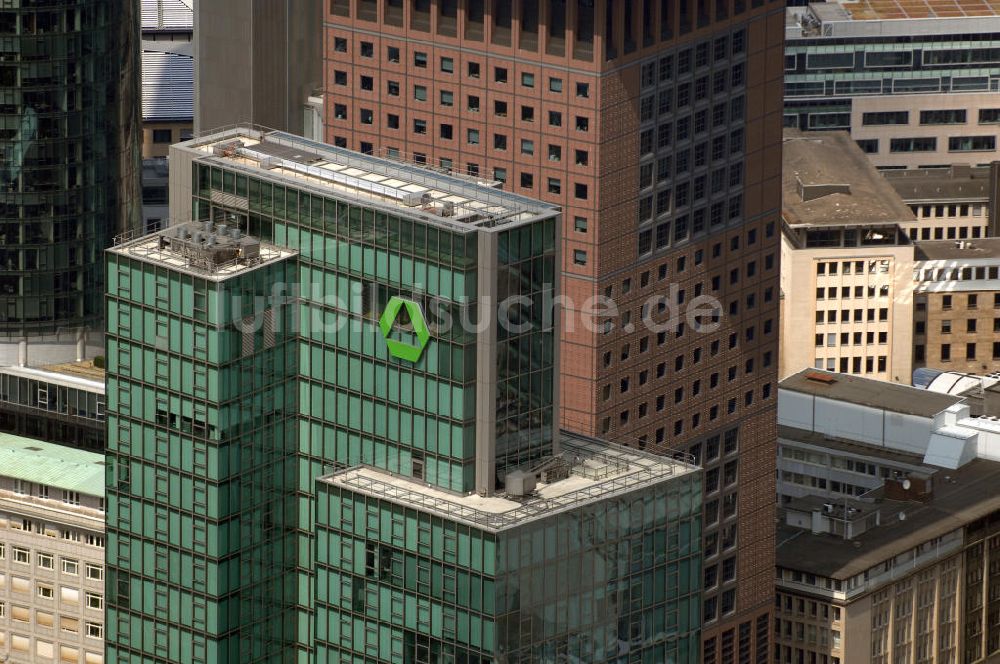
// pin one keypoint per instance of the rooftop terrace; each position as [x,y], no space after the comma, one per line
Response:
[600,470]
[892,18]
[423,193]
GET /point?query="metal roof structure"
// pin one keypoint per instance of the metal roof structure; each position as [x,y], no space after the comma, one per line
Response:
[53,465]
[167,83]
[421,193]
[600,470]
[167,15]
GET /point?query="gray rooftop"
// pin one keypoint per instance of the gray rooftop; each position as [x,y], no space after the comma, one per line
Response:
[852,447]
[828,181]
[959,497]
[457,203]
[601,470]
[867,392]
[888,19]
[958,183]
[979,249]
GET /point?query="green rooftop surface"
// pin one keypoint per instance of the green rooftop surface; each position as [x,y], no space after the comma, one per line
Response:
[54,465]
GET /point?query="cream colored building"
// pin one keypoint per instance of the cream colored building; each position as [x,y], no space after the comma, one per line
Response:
[889,537]
[846,262]
[51,553]
[953,203]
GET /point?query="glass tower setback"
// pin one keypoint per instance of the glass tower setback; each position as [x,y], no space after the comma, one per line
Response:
[336,383]
[69,159]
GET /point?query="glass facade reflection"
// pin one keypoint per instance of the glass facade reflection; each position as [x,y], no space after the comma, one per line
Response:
[249,367]
[68,156]
[615,580]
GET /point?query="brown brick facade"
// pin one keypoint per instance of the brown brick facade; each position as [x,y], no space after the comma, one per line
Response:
[579,98]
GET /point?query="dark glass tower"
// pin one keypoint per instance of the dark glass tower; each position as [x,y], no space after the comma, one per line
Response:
[69,130]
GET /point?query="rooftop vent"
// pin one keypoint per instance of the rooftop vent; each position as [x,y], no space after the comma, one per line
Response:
[810,192]
[824,378]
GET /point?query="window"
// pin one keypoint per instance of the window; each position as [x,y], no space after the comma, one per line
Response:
[473,70]
[500,74]
[989,115]
[95,630]
[945,352]
[367,116]
[447,65]
[955,116]
[367,50]
[528,80]
[555,119]
[392,121]
[971,143]
[554,186]
[446,132]
[340,44]
[162,135]
[70,566]
[44,591]
[582,123]
[527,113]
[340,78]
[420,92]
[555,85]
[527,180]
[420,126]
[580,190]
[367,83]
[970,351]
[22,556]
[473,103]
[472,136]
[95,601]
[921,144]
[447,98]
[44,560]
[392,53]
[582,158]
[580,224]
[499,142]
[885,118]
[527,146]
[340,112]
[579,256]
[583,90]
[420,59]
[95,540]
[555,153]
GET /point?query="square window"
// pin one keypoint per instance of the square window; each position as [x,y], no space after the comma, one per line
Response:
[555,85]
[500,74]
[392,53]
[340,44]
[580,224]
[528,80]
[367,50]
[447,65]
[472,136]
[527,146]
[554,186]
[527,180]
[527,114]
[473,70]
[555,119]
[580,190]
[420,59]
[579,256]
[340,78]
[582,158]
[583,90]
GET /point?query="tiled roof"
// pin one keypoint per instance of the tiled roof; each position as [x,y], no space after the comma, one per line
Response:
[167,85]
[169,15]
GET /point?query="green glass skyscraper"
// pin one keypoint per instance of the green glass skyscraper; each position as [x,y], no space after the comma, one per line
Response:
[331,402]
[69,156]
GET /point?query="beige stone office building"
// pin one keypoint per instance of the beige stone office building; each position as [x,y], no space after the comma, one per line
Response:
[846,262]
[51,553]
[956,325]
[954,203]
[889,543]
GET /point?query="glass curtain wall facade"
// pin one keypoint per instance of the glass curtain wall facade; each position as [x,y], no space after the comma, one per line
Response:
[68,156]
[617,579]
[202,542]
[235,397]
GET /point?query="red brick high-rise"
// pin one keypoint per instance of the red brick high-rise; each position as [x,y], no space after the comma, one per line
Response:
[656,124]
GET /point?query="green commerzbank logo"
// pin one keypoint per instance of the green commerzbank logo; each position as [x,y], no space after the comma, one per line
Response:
[399,349]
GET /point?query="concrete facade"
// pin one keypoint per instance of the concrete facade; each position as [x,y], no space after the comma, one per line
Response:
[51,553]
[256,61]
